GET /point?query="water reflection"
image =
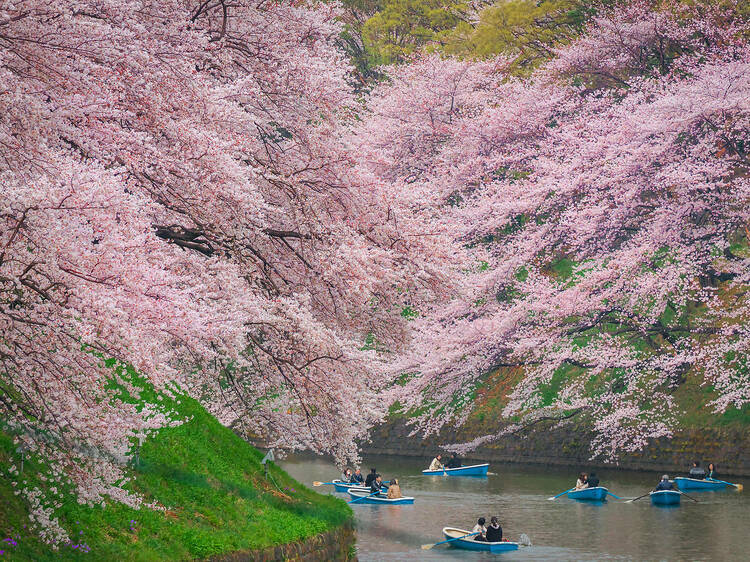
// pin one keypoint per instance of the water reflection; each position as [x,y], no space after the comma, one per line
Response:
[716,528]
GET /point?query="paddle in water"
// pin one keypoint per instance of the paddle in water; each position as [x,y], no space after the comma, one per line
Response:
[689,497]
[561,494]
[738,486]
[429,546]
[613,495]
[639,497]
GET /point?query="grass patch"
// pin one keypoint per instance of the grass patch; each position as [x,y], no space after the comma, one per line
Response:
[211,482]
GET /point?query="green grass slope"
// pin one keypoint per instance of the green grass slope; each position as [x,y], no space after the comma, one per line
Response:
[211,482]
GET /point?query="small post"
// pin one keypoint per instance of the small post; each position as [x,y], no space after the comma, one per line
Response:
[264,461]
[21,449]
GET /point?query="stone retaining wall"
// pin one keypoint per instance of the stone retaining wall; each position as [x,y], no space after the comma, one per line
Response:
[337,545]
[729,449]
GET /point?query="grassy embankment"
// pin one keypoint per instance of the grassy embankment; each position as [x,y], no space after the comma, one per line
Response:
[212,484]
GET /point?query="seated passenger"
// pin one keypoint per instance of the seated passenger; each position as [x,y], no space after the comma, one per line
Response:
[357,477]
[453,462]
[581,483]
[394,492]
[665,484]
[371,477]
[697,471]
[346,476]
[711,471]
[592,480]
[494,531]
[481,529]
[436,464]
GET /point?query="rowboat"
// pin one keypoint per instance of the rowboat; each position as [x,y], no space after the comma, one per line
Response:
[340,486]
[380,498]
[472,470]
[698,484]
[665,497]
[598,493]
[470,544]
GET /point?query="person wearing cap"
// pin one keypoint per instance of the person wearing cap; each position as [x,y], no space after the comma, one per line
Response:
[665,484]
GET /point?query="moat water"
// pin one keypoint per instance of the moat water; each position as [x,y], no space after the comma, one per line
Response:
[717,527]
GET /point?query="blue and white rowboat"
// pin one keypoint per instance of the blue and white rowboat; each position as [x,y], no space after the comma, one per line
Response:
[473,470]
[340,486]
[380,498]
[470,544]
[696,484]
[598,493]
[665,497]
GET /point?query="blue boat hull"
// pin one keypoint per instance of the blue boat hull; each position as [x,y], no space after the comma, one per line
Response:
[665,497]
[339,486]
[470,544]
[473,470]
[695,484]
[592,494]
[381,499]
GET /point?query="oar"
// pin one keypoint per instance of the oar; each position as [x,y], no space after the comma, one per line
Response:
[738,486]
[316,483]
[639,497]
[561,494]
[684,494]
[429,546]
[613,495]
[365,497]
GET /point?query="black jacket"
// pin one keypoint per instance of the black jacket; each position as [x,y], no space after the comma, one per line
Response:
[369,479]
[453,462]
[494,534]
[357,478]
[592,481]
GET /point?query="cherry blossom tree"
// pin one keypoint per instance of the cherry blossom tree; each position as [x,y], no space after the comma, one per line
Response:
[177,196]
[624,160]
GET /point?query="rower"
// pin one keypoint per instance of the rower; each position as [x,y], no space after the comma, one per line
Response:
[592,480]
[436,463]
[697,472]
[453,462]
[377,485]
[665,484]
[481,529]
[371,477]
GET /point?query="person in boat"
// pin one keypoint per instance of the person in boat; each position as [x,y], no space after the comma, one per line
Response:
[581,483]
[592,480]
[371,477]
[436,463]
[357,477]
[377,484]
[664,484]
[346,476]
[394,491]
[494,532]
[697,472]
[711,471]
[481,529]
[453,462]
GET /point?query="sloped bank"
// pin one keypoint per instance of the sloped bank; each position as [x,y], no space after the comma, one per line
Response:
[729,448]
[218,503]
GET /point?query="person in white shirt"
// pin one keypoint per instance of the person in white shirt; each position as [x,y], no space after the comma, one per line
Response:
[436,464]
[481,529]
[581,483]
